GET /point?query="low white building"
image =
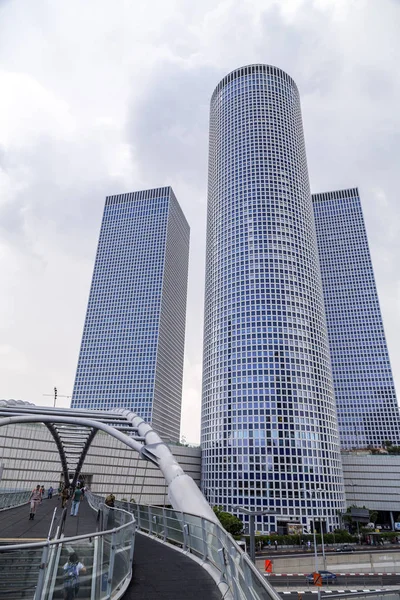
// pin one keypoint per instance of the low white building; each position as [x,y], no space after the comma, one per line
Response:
[29,457]
[373,480]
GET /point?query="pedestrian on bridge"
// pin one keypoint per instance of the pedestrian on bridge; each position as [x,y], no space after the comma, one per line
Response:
[35,499]
[76,498]
[72,570]
[64,497]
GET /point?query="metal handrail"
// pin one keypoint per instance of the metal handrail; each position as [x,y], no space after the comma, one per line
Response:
[69,539]
[16,498]
[233,581]
[52,522]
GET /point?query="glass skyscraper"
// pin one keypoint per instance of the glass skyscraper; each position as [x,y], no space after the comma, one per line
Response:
[365,394]
[269,424]
[133,339]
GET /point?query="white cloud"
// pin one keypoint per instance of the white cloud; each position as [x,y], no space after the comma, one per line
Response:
[102,97]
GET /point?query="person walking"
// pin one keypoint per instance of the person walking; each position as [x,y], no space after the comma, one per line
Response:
[35,499]
[72,569]
[76,498]
[50,493]
[110,503]
[64,497]
[276,544]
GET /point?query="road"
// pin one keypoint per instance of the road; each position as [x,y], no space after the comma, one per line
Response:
[311,595]
[342,581]
[298,553]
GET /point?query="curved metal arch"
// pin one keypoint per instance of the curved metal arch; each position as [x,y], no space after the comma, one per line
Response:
[183,493]
[83,456]
[60,448]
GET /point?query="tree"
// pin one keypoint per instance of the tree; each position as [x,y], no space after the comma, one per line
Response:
[229,522]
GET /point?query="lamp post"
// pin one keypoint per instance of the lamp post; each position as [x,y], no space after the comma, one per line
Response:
[313,495]
[252,514]
[322,529]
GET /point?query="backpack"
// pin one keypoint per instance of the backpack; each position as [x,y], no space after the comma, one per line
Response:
[71,576]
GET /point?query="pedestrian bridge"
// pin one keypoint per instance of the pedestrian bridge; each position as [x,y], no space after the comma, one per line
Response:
[26,546]
[180,552]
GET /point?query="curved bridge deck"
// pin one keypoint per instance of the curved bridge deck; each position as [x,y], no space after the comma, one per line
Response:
[15,523]
[158,572]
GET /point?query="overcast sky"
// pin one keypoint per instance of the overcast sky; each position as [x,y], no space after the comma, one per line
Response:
[100,97]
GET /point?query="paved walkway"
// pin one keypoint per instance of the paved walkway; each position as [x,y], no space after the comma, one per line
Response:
[161,572]
[15,523]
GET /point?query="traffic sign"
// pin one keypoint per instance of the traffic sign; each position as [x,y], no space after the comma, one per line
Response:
[268,566]
[317,579]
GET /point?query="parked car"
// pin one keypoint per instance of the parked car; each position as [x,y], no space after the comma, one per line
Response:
[345,548]
[326,576]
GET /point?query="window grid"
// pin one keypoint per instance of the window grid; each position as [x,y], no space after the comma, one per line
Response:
[269,424]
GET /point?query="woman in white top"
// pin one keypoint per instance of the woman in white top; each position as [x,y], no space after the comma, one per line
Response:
[35,499]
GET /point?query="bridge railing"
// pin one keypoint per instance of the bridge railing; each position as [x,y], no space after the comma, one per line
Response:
[37,568]
[14,498]
[209,544]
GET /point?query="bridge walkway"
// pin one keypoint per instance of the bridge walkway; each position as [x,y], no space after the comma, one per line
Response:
[158,570]
[15,523]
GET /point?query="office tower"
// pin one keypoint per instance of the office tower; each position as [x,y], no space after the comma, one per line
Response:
[269,425]
[368,413]
[133,339]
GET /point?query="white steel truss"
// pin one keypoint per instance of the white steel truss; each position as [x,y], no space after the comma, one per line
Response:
[74,429]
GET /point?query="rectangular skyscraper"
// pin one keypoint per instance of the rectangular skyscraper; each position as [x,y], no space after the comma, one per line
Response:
[368,413]
[133,339]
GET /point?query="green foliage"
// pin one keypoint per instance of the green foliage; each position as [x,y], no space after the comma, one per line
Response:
[388,535]
[339,536]
[229,522]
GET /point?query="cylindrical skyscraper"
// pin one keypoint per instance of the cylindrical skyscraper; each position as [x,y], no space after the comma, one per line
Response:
[269,425]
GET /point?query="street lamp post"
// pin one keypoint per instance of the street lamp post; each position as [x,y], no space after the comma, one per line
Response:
[313,494]
[315,545]
[252,514]
[322,531]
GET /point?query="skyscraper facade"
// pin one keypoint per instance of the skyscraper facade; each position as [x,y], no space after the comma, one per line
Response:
[133,339]
[269,425]
[368,412]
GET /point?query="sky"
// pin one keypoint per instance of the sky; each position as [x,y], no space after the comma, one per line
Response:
[103,97]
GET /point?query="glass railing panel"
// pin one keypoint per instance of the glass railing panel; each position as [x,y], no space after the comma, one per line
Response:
[122,556]
[174,526]
[213,544]
[15,498]
[19,571]
[194,531]
[157,521]
[143,517]
[61,578]
[107,558]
